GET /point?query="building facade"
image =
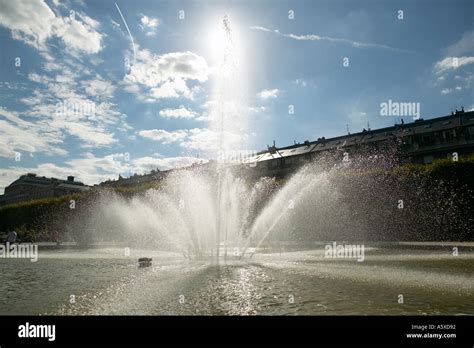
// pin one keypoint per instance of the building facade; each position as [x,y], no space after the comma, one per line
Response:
[30,187]
[421,141]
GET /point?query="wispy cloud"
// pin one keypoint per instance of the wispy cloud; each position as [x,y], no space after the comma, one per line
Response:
[452,63]
[180,112]
[315,37]
[257,109]
[268,93]
[163,136]
[202,139]
[62,105]
[465,45]
[19,135]
[300,82]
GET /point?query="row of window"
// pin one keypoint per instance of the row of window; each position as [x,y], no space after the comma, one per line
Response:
[428,139]
[440,137]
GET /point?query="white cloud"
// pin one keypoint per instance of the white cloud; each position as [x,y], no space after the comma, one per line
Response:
[152,70]
[89,135]
[170,89]
[38,78]
[163,136]
[82,109]
[149,25]
[78,36]
[456,57]
[51,66]
[300,82]
[98,87]
[18,135]
[452,63]
[165,76]
[34,23]
[257,109]
[114,24]
[202,139]
[180,112]
[91,166]
[205,139]
[29,21]
[268,93]
[89,21]
[149,22]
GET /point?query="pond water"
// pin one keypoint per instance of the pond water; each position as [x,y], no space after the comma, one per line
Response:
[272,282]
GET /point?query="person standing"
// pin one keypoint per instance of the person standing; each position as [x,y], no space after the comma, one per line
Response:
[56,237]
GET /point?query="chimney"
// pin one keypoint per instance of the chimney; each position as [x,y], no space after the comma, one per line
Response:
[70,178]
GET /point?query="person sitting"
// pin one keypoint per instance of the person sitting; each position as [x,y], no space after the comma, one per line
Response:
[11,238]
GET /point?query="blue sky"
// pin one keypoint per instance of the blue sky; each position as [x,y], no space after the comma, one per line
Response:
[77,98]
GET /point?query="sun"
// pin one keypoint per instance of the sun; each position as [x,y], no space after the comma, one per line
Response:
[217,40]
[222,39]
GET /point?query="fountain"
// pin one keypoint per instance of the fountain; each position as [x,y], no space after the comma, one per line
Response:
[205,213]
[221,239]
[212,212]
[211,239]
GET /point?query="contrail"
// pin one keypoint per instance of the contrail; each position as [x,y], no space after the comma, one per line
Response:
[131,38]
[314,37]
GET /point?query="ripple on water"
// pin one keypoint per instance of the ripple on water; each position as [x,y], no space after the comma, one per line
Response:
[293,283]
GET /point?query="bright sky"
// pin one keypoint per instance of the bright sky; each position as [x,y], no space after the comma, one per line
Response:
[78,98]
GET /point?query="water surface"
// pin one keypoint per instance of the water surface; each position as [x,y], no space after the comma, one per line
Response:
[301,282]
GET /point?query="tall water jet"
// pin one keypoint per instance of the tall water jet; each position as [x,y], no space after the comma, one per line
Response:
[227,118]
[228,104]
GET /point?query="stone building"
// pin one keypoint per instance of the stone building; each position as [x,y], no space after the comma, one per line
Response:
[421,141]
[30,186]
